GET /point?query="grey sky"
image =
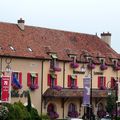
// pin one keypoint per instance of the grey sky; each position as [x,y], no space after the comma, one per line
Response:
[85,16]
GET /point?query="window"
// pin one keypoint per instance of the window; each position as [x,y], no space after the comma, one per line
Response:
[72,81]
[17,80]
[32,80]
[52,80]
[53,61]
[101,82]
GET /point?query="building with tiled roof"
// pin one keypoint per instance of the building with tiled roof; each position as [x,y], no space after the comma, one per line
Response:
[53,65]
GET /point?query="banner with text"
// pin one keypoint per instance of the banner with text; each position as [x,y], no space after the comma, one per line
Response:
[5,89]
[86,90]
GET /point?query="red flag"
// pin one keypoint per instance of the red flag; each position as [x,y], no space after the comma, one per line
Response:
[5,89]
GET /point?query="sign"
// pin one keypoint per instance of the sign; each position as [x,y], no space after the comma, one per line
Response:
[86,90]
[5,89]
[98,73]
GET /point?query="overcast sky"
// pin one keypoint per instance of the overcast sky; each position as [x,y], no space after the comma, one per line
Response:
[84,16]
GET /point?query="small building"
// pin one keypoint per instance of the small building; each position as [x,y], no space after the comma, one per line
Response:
[53,65]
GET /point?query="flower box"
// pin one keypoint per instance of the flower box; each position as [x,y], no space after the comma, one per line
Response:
[73,114]
[53,115]
[56,69]
[57,87]
[116,67]
[103,67]
[74,87]
[74,65]
[91,66]
[33,86]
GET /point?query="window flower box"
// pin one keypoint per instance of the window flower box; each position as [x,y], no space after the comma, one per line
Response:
[74,87]
[91,66]
[53,115]
[33,86]
[16,84]
[73,114]
[116,67]
[101,113]
[57,87]
[74,65]
[56,68]
[103,67]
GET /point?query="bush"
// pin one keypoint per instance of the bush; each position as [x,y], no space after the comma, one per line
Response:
[44,117]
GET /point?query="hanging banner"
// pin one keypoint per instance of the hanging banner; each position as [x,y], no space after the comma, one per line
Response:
[118,91]
[86,90]
[5,89]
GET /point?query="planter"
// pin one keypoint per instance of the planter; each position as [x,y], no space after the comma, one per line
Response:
[73,114]
[57,69]
[74,65]
[116,67]
[91,66]
[53,115]
[103,67]
[58,88]
[33,87]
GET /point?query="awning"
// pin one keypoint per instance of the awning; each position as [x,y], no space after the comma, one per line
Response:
[33,74]
[73,76]
[76,93]
[54,56]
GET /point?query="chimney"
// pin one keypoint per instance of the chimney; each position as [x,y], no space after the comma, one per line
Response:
[106,37]
[21,24]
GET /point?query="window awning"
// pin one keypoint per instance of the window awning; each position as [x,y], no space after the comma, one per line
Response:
[53,76]
[54,56]
[73,76]
[33,74]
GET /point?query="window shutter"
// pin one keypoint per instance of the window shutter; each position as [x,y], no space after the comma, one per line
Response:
[69,80]
[28,79]
[112,82]
[56,80]
[99,79]
[76,81]
[20,77]
[49,80]
[36,79]
[105,82]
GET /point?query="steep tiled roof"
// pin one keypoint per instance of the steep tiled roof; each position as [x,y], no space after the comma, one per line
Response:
[43,40]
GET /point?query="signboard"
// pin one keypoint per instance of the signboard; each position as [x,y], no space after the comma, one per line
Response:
[5,89]
[86,90]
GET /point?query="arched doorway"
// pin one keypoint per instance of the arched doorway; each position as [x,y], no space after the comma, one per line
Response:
[52,111]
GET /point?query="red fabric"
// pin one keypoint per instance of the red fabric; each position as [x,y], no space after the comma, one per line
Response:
[69,80]
[99,82]
[28,79]
[104,82]
[36,79]
[20,77]
[49,80]
[56,80]
[112,82]
[76,81]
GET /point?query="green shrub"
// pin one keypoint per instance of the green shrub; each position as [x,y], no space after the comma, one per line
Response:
[44,117]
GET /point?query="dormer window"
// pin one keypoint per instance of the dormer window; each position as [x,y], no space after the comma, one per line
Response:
[116,66]
[30,50]
[74,63]
[12,48]
[103,65]
[54,65]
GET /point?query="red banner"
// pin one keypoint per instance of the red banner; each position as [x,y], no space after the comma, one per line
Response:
[5,89]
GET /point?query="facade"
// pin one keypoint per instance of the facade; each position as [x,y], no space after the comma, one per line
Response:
[53,65]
